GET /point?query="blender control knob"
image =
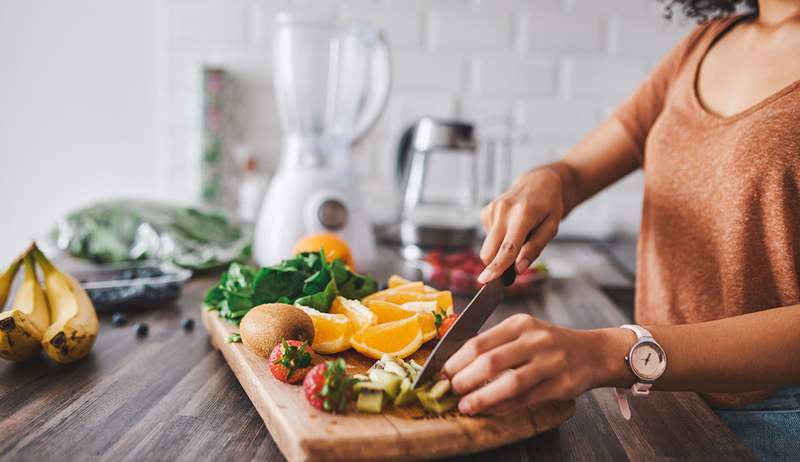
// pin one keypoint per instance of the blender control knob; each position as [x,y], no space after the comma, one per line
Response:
[332,213]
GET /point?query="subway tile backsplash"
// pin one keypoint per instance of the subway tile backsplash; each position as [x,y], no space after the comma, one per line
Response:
[554,68]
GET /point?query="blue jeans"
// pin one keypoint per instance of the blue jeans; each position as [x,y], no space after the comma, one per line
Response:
[771,428]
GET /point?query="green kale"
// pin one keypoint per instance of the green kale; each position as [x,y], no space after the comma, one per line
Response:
[306,279]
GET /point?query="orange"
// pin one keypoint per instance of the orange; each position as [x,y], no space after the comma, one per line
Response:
[332,245]
[398,338]
[360,316]
[390,312]
[396,281]
[332,331]
[416,287]
[443,299]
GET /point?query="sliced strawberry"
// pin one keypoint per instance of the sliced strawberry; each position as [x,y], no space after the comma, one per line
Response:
[290,361]
[443,323]
[328,386]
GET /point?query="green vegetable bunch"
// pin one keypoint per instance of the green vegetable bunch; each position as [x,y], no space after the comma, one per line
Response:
[306,279]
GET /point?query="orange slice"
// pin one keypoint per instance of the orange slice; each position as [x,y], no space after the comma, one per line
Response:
[383,294]
[358,314]
[332,331]
[443,299]
[390,312]
[396,281]
[398,338]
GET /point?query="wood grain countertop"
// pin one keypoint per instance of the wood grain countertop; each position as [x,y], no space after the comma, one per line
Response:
[170,396]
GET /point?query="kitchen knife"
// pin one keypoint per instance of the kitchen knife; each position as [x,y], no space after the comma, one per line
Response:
[466,325]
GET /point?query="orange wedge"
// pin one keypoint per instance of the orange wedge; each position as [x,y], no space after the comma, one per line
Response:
[332,331]
[358,314]
[397,338]
[396,281]
[390,312]
[443,299]
[412,287]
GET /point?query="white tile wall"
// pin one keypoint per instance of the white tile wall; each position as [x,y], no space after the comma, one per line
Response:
[555,66]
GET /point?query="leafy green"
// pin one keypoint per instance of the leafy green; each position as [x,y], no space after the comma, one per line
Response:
[320,301]
[125,230]
[306,279]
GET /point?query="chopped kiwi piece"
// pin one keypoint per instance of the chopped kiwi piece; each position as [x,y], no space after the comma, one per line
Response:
[370,401]
[368,386]
[395,368]
[406,395]
[390,382]
[439,389]
[437,406]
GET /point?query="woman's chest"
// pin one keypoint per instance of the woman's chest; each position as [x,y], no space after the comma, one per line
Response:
[700,163]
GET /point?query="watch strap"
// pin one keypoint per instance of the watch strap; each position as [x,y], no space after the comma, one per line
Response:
[622,402]
[638,330]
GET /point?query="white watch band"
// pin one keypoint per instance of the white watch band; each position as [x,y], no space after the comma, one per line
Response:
[638,330]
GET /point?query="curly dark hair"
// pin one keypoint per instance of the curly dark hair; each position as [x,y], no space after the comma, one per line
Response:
[704,10]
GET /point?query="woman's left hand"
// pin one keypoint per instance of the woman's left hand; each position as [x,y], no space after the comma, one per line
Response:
[521,362]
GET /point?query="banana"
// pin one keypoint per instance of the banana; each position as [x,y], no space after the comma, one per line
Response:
[21,327]
[7,278]
[74,321]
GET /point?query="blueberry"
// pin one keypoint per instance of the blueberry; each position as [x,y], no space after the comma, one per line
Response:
[141,329]
[118,319]
[187,324]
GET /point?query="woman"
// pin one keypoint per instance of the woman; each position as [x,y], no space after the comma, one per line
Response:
[716,128]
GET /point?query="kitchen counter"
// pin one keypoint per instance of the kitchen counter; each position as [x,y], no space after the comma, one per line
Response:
[171,396]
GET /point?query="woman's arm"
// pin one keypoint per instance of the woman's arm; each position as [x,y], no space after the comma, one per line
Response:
[522,220]
[529,361]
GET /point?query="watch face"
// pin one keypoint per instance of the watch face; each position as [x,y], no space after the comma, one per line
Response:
[648,361]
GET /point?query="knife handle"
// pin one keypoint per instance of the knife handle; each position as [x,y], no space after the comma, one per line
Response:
[509,276]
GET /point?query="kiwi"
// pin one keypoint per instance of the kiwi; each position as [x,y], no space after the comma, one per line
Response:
[266,325]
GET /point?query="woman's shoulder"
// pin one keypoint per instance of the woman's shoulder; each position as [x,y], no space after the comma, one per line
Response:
[707,31]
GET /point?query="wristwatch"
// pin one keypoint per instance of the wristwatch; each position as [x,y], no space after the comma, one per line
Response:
[647,361]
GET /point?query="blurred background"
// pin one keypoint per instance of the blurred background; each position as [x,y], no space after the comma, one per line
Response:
[109,98]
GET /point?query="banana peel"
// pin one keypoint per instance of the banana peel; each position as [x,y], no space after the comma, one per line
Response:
[21,327]
[74,323]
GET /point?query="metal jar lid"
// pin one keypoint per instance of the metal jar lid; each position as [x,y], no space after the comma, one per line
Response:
[434,133]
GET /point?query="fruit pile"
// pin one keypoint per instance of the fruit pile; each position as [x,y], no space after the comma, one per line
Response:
[459,272]
[395,321]
[386,325]
[59,318]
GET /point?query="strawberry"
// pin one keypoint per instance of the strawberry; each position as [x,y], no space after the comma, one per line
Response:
[443,323]
[290,360]
[328,386]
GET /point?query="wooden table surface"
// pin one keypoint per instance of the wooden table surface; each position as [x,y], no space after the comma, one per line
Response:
[171,396]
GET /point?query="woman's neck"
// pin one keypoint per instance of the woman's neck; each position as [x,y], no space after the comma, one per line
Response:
[773,13]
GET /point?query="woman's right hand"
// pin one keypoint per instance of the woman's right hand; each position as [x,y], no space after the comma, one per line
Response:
[520,222]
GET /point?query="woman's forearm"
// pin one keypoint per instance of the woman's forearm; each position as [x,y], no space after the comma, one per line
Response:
[742,353]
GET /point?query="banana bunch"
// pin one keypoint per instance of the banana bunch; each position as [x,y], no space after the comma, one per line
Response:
[61,318]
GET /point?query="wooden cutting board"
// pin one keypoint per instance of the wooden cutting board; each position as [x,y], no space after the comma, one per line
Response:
[304,433]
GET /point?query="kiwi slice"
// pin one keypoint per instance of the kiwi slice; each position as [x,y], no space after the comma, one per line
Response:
[370,401]
[390,382]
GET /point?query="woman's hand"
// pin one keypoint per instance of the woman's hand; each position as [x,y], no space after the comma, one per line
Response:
[520,222]
[524,361]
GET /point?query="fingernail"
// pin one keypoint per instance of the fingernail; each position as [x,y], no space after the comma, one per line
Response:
[465,406]
[523,265]
[484,276]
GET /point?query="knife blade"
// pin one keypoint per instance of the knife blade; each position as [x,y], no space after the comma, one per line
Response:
[466,325]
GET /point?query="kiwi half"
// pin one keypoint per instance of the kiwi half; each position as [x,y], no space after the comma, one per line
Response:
[264,326]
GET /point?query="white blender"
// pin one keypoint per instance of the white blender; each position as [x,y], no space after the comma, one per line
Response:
[331,83]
